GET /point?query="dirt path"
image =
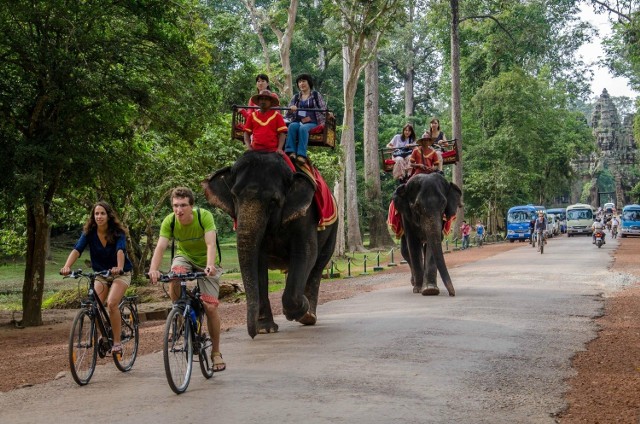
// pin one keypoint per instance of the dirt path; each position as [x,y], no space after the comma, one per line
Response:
[606,387]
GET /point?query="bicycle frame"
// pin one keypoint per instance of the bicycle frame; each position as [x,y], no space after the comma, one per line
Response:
[99,311]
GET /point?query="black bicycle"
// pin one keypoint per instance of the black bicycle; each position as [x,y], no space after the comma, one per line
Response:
[92,336]
[185,332]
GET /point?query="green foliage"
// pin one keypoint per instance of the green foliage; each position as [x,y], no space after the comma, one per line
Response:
[586,192]
[522,144]
[635,194]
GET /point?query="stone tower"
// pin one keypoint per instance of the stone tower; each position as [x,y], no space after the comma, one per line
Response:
[616,152]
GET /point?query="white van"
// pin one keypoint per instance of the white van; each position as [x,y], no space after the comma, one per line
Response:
[580,219]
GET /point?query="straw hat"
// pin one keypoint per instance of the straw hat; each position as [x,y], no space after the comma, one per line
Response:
[266,94]
[428,140]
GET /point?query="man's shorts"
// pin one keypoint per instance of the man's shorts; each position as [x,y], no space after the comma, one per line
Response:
[209,286]
[124,278]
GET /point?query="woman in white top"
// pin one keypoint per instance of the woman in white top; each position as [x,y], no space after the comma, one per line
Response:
[401,154]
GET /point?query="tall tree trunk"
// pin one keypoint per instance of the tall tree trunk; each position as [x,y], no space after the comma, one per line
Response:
[354,238]
[33,286]
[284,44]
[456,116]
[378,233]
[338,193]
[259,20]
[409,73]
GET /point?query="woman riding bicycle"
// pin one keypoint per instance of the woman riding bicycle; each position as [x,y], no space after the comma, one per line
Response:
[106,238]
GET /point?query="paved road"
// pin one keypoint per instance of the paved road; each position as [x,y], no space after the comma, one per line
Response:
[498,352]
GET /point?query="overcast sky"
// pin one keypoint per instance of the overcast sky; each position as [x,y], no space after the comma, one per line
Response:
[593,52]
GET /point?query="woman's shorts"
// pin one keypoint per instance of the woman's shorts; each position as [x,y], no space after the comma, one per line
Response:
[209,286]
[124,278]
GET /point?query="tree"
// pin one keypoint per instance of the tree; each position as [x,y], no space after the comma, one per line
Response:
[260,18]
[80,79]
[361,25]
[378,232]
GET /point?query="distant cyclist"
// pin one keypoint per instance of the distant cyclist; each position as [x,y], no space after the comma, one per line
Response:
[540,228]
[615,223]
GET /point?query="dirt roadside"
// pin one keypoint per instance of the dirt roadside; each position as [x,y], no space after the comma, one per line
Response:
[606,386]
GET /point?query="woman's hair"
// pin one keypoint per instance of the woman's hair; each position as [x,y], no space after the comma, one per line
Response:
[307,78]
[264,77]
[413,133]
[115,227]
[436,120]
[183,192]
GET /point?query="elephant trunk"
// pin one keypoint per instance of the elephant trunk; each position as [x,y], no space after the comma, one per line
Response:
[250,233]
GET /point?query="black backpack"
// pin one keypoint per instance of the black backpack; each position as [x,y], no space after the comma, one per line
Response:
[173,240]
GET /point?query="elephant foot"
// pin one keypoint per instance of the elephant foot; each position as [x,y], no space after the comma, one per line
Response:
[431,290]
[450,289]
[265,327]
[308,319]
[416,289]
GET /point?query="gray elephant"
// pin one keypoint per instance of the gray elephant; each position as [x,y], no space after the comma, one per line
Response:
[425,203]
[277,228]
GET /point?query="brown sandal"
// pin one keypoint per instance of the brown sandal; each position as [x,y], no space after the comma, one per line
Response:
[218,362]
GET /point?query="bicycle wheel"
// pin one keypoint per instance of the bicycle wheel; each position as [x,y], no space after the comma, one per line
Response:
[205,349]
[177,351]
[83,342]
[129,338]
[541,243]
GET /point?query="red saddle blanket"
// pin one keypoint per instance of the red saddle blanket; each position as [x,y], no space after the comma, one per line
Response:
[394,221]
[323,197]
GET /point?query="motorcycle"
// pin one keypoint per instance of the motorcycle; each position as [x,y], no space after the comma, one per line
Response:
[599,235]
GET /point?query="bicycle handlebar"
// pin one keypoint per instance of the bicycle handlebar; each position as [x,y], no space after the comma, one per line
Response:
[173,276]
[78,273]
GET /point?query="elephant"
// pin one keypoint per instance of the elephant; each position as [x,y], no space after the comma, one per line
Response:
[277,228]
[425,203]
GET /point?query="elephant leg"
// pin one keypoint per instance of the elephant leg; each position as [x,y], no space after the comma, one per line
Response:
[416,262]
[311,293]
[404,251]
[266,324]
[442,268]
[295,304]
[431,288]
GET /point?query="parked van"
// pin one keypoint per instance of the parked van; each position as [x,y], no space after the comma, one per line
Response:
[580,218]
[518,218]
[630,221]
[560,216]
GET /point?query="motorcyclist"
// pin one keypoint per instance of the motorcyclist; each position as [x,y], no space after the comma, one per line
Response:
[597,226]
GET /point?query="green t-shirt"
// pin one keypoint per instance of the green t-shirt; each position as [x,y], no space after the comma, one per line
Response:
[190,238]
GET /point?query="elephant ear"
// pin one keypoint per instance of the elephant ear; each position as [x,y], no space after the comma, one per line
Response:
[453,200]
[400,199]
[217,190]
[298,199]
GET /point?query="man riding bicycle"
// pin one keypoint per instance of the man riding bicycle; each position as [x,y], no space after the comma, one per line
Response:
[195,234]
[540,227]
